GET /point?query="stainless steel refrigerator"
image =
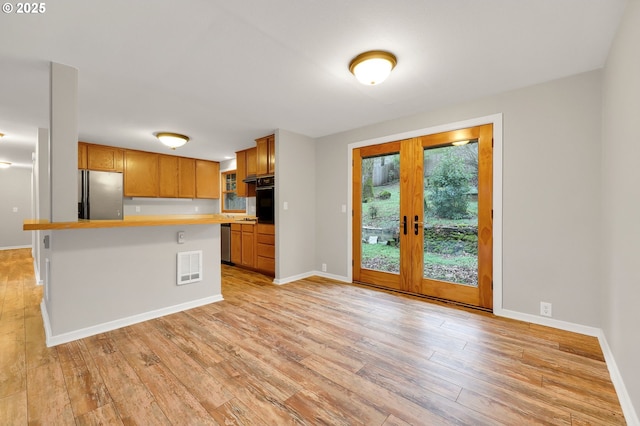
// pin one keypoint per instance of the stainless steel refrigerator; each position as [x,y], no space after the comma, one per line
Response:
[99,195]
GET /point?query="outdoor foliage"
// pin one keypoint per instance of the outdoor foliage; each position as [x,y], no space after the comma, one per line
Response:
[367,190]
[448,187]
[384,195]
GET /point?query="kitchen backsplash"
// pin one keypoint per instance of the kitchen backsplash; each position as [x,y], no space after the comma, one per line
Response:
[160,206]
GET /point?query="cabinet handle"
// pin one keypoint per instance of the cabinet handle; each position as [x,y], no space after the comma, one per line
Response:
[404,224]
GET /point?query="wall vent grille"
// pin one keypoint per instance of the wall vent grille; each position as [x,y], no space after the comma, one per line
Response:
[189,267]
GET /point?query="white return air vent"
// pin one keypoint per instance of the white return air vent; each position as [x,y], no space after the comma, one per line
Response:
[189,267]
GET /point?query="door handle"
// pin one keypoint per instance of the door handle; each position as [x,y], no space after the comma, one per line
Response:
[404,224]
[416,225]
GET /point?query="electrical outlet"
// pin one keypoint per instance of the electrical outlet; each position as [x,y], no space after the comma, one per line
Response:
[324,267]
[545,309]
[197,209]
[181,237]
[137,209]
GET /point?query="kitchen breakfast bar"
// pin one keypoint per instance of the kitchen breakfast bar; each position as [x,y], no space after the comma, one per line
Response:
[105,274]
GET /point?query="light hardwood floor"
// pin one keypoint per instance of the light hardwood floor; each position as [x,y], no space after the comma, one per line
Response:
[311,352]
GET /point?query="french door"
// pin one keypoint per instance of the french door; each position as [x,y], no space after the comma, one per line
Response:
[423,215]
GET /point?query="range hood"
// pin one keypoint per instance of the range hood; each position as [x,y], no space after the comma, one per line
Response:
[249,179]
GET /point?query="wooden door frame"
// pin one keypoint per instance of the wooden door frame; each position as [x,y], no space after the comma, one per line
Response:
[496,120]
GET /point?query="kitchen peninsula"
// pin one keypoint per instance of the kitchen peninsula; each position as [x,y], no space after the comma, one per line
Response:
[106,274]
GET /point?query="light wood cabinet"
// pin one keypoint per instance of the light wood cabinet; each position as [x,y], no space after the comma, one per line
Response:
[141,174]
[242,171]
[167,176]
[207,179]
[266,248]
[82,155]
[187,177]
[243,244]
[265,155]
[251,161]
[105,158]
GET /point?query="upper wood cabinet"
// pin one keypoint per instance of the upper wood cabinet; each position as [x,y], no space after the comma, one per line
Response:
[266,155]
[167,176]
[251,161]
[242,171]
[187,178]
[105,158]
[141,177]
[207,179]
[82,155]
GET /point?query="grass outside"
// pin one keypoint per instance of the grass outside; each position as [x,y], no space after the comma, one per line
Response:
[460,267]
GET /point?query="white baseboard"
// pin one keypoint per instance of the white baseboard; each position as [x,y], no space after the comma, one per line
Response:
[628,410]
[36,271]
[15,247]
[288,280]
[53,340]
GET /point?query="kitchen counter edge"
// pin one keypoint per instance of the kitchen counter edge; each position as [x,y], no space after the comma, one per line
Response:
[130,221]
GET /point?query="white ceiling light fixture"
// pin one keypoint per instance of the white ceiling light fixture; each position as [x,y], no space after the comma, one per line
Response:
[172,140]
[373,67]
[4,164]
[1,135]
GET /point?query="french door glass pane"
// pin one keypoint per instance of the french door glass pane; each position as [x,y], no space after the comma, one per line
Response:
[381,213]
[451,214]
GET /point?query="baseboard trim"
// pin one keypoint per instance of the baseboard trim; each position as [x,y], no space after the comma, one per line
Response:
[293,278]
[54,340]
[15,247]
[36,271]
[628,409]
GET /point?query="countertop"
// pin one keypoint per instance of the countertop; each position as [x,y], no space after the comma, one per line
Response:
[131,221]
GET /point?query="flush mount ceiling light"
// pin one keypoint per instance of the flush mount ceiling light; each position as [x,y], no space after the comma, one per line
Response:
[4,164]
[1,135]
[372,67]
[172,140]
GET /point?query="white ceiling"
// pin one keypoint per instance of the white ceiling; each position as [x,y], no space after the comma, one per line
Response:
[226,72]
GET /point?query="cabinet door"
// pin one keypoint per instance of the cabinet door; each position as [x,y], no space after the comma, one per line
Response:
[236,244]
[272,154]
[140,174]
[262,156]
[82,155]
[241,173]
[168,176]
[104,158]
[248,245]
[251,161]
[187,167]
[207,179]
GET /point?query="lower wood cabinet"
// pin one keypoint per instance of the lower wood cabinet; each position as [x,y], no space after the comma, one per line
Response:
[266,248]
[253,246]
[243,244]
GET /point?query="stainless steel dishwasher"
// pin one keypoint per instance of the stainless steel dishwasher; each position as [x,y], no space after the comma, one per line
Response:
[225,242]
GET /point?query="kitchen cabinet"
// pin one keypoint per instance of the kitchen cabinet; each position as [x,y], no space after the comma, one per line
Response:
[242,171]
[167,176]
[141,178]
[266,155]
[82,155]
[207,179]
[105,158]
[187,177]
[266,248]
[251,161]
[243,244]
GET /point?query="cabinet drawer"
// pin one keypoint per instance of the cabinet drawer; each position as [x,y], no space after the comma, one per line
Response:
[264,228]
[266,264]
[266,250]
[247,228]
[236,227]
[267,239]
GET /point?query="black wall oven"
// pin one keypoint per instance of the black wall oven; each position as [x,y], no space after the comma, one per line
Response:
[265,199]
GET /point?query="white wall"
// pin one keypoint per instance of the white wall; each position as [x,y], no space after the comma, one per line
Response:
[621,200]
[295,184]
[111,274]
[15,192]
[160,206]
[551,193]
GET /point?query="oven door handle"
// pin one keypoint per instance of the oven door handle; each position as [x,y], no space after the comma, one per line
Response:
[262,188]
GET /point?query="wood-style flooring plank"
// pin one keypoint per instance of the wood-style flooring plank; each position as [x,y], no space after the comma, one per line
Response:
[315,351]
